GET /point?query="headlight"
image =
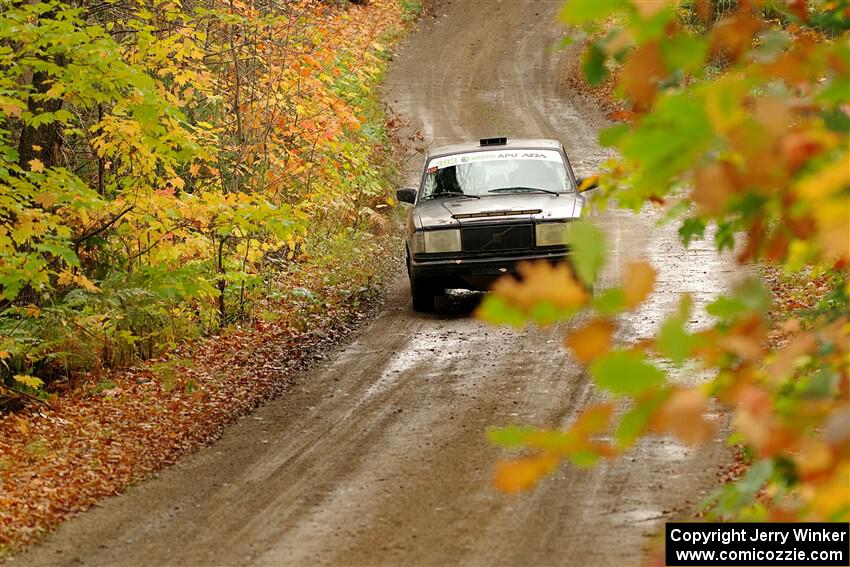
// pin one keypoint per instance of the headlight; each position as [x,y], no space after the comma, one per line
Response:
[551,233]
[417,243]
[437,241]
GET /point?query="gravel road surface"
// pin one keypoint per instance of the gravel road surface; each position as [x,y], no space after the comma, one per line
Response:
[378,456]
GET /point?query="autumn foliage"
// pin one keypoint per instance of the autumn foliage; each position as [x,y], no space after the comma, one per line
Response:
[738,118]
[161,163]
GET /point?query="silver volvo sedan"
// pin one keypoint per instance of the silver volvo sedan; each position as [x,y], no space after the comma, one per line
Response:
[482,208]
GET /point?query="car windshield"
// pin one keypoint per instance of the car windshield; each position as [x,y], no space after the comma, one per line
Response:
[496,172]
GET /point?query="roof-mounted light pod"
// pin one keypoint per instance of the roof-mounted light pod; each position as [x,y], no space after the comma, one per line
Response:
[493,142]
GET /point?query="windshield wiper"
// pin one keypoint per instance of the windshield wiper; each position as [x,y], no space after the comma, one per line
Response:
[451,194]
[509,189]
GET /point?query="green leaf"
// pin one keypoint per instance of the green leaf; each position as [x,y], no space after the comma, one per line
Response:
[593,64]
[495,310]
[726,307]
[587,245]
[659,155]
[584,458]
[511,437]
[750,295]
[579,12]
[634,422]
[691,229]
[675,342]
[625,373]
[610,137]
[610,301]
[685,52]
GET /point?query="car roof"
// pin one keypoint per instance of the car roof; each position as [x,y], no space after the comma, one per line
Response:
[512,143]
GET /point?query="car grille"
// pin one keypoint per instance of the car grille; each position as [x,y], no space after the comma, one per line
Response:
[495,238]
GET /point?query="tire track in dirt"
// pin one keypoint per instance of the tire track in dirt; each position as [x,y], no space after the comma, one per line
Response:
[378,456]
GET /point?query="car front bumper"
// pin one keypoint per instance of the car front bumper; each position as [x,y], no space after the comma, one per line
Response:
[476,273]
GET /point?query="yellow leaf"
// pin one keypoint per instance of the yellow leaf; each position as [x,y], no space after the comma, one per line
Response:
[4,354]
[65,278]
[639,281]
[832,497]
[46,200]
[86,283]
[36,148]
[36,165]
[826,180]
[33,311]
[31,381]
[590,341]
[814,458]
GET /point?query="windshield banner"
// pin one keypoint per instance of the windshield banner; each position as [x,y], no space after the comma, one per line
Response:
[501,155]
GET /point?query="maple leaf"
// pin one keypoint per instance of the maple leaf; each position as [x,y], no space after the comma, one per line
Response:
[641,73]
[36,165]
[31,381]
[65,278]
[542,282]
[639,281]
[86,283]
[682,414]
[591,340]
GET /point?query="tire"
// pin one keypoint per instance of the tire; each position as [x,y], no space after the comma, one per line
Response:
[423,293]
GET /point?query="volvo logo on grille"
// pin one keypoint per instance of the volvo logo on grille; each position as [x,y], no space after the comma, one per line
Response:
[498,237]
[490,239]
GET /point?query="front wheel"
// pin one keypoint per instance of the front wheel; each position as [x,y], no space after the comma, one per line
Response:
[423,293]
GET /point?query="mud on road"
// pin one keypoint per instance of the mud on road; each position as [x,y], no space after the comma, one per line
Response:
[378,456]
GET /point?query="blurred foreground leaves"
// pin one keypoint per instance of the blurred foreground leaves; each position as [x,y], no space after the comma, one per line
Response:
[737,119]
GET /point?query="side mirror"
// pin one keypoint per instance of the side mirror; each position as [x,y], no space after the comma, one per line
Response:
[406,195]
[587,183]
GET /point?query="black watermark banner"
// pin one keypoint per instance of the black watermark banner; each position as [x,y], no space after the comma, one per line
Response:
[815,544]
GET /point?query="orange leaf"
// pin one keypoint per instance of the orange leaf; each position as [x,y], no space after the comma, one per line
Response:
[590,341]
[733,35]
[641,73]
[783,366]
[639,280]
[523,474]
[682,415]
[594,419]
[713,185]
[542,281]
[648,8]
[65,278]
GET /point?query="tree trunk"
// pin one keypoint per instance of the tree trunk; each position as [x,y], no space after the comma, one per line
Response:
[45,136]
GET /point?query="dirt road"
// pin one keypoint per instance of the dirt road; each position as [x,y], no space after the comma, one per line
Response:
[378,457]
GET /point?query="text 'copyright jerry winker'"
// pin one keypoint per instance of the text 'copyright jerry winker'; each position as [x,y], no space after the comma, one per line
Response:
[806,544]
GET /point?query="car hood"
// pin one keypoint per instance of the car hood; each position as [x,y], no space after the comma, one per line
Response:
[538,206]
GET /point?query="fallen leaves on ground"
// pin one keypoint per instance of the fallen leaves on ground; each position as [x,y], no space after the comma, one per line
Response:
[120,427]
